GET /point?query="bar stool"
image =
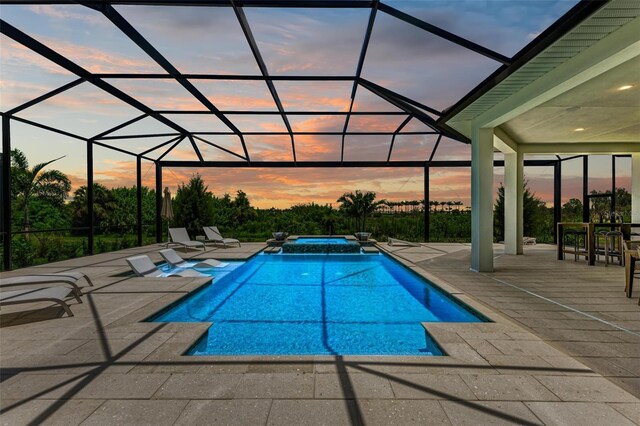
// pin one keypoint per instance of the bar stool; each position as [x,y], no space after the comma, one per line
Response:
[599,249]
[576,241]
[613,247]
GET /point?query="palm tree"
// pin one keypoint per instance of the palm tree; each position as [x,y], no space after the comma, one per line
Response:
[104,207]
[29,183]
[359,205]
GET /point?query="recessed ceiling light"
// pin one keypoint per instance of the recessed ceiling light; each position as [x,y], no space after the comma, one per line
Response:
[625,87]
[573,108]
[579,129]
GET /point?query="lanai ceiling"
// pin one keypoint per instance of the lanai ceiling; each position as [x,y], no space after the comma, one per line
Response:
[604,109]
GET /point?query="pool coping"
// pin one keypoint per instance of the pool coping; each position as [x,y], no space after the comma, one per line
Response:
[456,351]
[494,371]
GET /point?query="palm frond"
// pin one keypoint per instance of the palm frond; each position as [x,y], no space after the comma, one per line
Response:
[38,167]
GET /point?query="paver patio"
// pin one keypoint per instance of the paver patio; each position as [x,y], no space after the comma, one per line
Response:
[564,349]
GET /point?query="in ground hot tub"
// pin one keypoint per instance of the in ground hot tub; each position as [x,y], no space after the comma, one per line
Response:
[310,244]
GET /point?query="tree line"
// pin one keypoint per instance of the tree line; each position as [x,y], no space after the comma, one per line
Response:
[411,206]
[41,199]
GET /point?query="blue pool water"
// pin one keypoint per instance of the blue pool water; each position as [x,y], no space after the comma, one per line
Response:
[339,304]
[309,240]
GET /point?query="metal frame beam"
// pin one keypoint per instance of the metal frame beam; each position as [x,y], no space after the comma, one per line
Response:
[427,212]
[246,29]
[158,202]
[408,108]
[323,133]
[123,25]
[246,112]
[106,138]
[46,96]
[6,191]
[139,200]
[45,127]
[159,146]
[435,148]
[338,164]
[153,76]
[70,135]
[393,138]
[48,53]
[120,126]
[148,135]
[312,4]
[585,189]
[400,97]
[613,183]
[460,41]
[180,139]
[195,148]
[89,200]
[557,198]
[354,89]
[219,147]
[415,108]
[390,97]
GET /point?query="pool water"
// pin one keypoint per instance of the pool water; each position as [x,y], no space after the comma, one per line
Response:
[318,305]
[308,240]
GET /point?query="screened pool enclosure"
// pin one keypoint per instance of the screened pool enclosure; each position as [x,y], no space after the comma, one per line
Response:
[343,97]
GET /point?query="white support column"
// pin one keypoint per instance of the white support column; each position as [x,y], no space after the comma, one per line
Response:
[482,200]
[513,202]
[635,188]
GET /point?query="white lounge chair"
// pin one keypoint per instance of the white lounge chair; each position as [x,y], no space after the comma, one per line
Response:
[142,266]
[214,236]
[175,260]
[181,237]
[70,278]
[46,294]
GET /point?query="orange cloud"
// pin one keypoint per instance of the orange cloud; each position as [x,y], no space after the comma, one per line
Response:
[160,94]
[241,103]
[377,123]
[285,187]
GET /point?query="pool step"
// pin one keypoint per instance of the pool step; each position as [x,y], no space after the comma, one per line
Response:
[370,250]
[272,250]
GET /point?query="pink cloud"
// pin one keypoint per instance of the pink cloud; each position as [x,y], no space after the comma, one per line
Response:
[15,54]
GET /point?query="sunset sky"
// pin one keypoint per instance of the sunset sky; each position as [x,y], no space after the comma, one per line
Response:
[402,58]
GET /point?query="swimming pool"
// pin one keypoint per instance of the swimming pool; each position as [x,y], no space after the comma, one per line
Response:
[339,304]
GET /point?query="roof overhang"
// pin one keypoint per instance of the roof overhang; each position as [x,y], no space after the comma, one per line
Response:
[579,72]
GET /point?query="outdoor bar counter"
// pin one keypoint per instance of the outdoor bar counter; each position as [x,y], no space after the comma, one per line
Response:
[590,228]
